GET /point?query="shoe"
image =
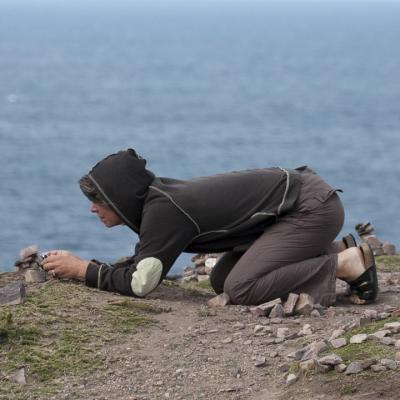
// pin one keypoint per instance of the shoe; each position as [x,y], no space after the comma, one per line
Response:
[349,241]
[366,285]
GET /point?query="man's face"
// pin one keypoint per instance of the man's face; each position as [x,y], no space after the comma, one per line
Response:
[106,215]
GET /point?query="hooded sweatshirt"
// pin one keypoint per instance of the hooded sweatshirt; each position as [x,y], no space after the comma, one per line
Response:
[208,214]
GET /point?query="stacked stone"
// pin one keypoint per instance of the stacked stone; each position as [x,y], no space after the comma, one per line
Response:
[203,264]
[29,261]
[366,232]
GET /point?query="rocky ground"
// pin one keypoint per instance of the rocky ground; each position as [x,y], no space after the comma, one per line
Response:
[173,346]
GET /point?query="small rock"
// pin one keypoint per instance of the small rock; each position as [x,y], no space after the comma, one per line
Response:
[337,333]
[12,294]
[236,372]
[354,368]
[265,308]
[388,363]
[378,368]
[338,343]
[362,337]
[384,315]
[19,377]
[227,340]
[260,362]
[330,359]
[397,356]
[291,378]
[397,344]
[304,305]
[307,365]
[393,327]
[273,354]
[262,329]
[282,333]
[380,334]
[290,304]
[28,252]
[340,368]
[315,314]
[373,314]
[219,301]
[321,367]
[387,341]
[284,368]
[277,311]
[247,342]
[312,350]
[365,364]
[306,330]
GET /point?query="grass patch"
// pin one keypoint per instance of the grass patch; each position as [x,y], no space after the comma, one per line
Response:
[194,287]
[371,348]
[388,263]
[59,331]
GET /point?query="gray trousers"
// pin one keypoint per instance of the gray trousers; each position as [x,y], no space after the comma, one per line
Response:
[296,254]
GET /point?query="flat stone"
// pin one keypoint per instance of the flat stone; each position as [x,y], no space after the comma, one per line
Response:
[380,334]
[388,363]
[227,340]
[304,305]
[19,377]
[354,368]
[291,378]
[393,327]
[290,304]
[277,311]
[337,333]
[361,338]
[338,343]
[265,308]
[397,356]
[35,276]
[219,301]
[12,294]
[397,344]
[340,368]
[330,359]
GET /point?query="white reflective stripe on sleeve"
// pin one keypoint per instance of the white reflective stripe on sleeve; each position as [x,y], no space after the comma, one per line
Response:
[146,276]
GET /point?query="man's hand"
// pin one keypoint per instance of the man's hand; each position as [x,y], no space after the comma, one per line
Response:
[62,264]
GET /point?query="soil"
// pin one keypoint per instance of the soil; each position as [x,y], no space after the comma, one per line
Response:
[195,352]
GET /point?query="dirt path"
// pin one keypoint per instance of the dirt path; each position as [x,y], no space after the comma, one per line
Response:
[194,352]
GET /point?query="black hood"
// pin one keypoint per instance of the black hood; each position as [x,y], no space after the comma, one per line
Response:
[123,180]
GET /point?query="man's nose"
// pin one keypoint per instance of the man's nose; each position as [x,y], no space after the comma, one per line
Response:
[93,208]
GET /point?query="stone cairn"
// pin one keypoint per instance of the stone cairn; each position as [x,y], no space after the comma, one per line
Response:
[30,262]
[203,264]
[366,232]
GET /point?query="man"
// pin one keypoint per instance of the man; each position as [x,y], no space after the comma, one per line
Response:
[275,226]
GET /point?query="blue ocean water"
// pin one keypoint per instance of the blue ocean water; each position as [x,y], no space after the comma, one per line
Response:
[197,88]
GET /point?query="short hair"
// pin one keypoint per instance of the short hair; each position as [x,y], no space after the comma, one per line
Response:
[90,191]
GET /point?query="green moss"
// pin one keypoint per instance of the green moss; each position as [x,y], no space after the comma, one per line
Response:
[59,331]
[388,263]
